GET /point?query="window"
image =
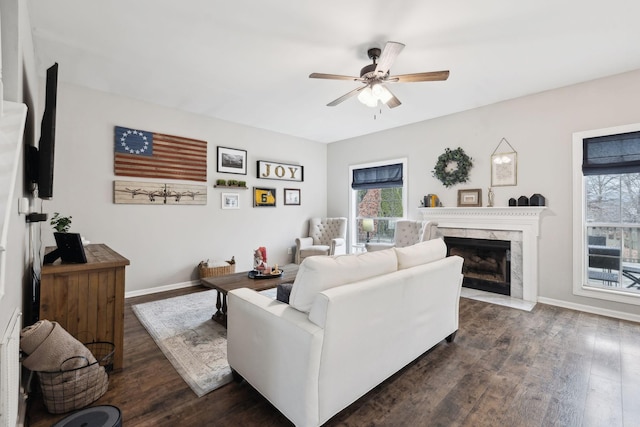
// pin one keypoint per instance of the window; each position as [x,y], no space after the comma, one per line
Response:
[378,200]
[607,213]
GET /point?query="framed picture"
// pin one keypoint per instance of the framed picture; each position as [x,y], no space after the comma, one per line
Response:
[230,201]
[504,168]
[264,197]
[467,198]
[231,160]
[291,196]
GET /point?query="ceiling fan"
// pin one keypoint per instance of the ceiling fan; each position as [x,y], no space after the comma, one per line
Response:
[376,75]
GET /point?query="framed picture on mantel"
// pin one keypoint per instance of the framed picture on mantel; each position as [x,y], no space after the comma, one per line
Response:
[470,198]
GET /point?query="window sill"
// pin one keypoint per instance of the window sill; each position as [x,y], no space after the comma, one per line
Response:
[607,294]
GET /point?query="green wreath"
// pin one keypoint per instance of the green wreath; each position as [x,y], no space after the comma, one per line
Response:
[454,176]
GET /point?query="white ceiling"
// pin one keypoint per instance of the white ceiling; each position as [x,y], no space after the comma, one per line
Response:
[248,61]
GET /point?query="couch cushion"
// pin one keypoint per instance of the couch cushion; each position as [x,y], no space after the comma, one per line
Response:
[319,273]
[421,253]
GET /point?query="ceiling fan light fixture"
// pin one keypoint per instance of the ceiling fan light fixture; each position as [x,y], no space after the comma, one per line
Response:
[381,93]
[375,76]
[367,97]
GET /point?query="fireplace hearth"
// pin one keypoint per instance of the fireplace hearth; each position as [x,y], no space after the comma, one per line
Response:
[487,263]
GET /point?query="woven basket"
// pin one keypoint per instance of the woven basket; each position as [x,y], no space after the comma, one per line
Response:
[66,390]
[216,271]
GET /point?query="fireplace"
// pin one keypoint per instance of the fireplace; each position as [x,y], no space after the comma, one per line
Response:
[487,263]
[519,225]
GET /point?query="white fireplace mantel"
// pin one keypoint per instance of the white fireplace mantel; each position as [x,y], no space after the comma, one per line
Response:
[523,219]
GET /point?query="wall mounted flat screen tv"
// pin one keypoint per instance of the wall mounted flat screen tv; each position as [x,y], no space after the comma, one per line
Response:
[41,160]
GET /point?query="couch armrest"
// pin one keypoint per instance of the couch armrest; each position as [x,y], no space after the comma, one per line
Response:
[277,350]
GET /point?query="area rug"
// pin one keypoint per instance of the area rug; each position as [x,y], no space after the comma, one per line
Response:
[195,345]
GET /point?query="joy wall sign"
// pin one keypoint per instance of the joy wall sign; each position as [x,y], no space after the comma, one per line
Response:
[281,171]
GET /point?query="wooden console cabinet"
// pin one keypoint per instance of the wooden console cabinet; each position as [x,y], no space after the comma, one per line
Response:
[87,299]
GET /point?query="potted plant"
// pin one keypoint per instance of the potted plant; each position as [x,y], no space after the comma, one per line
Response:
[232,182]
[221,182]
[60,223]
[242,184]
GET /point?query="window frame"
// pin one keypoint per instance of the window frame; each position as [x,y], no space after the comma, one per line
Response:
[352,236]
[580,282]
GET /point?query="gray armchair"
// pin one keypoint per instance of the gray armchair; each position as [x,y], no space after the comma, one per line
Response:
[327,236]
[408,232]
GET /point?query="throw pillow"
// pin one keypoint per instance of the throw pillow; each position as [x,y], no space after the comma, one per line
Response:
[283,292]
[421,253]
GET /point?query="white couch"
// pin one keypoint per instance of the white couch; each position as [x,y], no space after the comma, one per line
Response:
[351,322]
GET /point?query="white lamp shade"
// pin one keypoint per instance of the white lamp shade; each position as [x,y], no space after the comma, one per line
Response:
[381,93]
[367,224]
[367,98]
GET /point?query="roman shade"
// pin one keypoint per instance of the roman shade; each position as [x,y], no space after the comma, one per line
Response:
[387,176]
[611,154]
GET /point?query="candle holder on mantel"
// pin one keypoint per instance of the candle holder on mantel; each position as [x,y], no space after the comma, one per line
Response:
[537,200]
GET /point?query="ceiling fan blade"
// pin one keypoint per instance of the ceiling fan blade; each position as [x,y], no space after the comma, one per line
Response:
[431,76]
[333,77]
[345,97]
[393,102]
[389,55]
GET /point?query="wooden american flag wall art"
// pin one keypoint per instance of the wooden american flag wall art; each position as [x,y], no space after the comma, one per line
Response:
[154,155]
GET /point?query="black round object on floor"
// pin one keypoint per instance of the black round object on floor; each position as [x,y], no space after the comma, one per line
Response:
[95,416]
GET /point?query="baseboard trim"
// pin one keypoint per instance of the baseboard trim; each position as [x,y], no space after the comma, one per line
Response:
[590,309]
[165,288]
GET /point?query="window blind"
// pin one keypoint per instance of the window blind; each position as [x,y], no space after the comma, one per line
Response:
[386,176]
[611,154]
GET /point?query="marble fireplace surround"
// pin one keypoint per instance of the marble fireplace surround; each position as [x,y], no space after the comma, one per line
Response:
[519,225]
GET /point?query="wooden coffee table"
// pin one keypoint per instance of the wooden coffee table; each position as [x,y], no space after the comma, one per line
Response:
[229,282]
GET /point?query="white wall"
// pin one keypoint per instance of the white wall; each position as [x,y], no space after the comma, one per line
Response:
[20,85]
[165,243]
[540,129]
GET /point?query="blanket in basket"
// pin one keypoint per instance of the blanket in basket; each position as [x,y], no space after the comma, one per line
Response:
[70,376]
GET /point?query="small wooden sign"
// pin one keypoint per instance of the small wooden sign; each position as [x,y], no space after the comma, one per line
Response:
[280,171]
[157,193]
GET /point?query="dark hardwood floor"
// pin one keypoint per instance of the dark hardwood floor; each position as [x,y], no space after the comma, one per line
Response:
[506,367]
